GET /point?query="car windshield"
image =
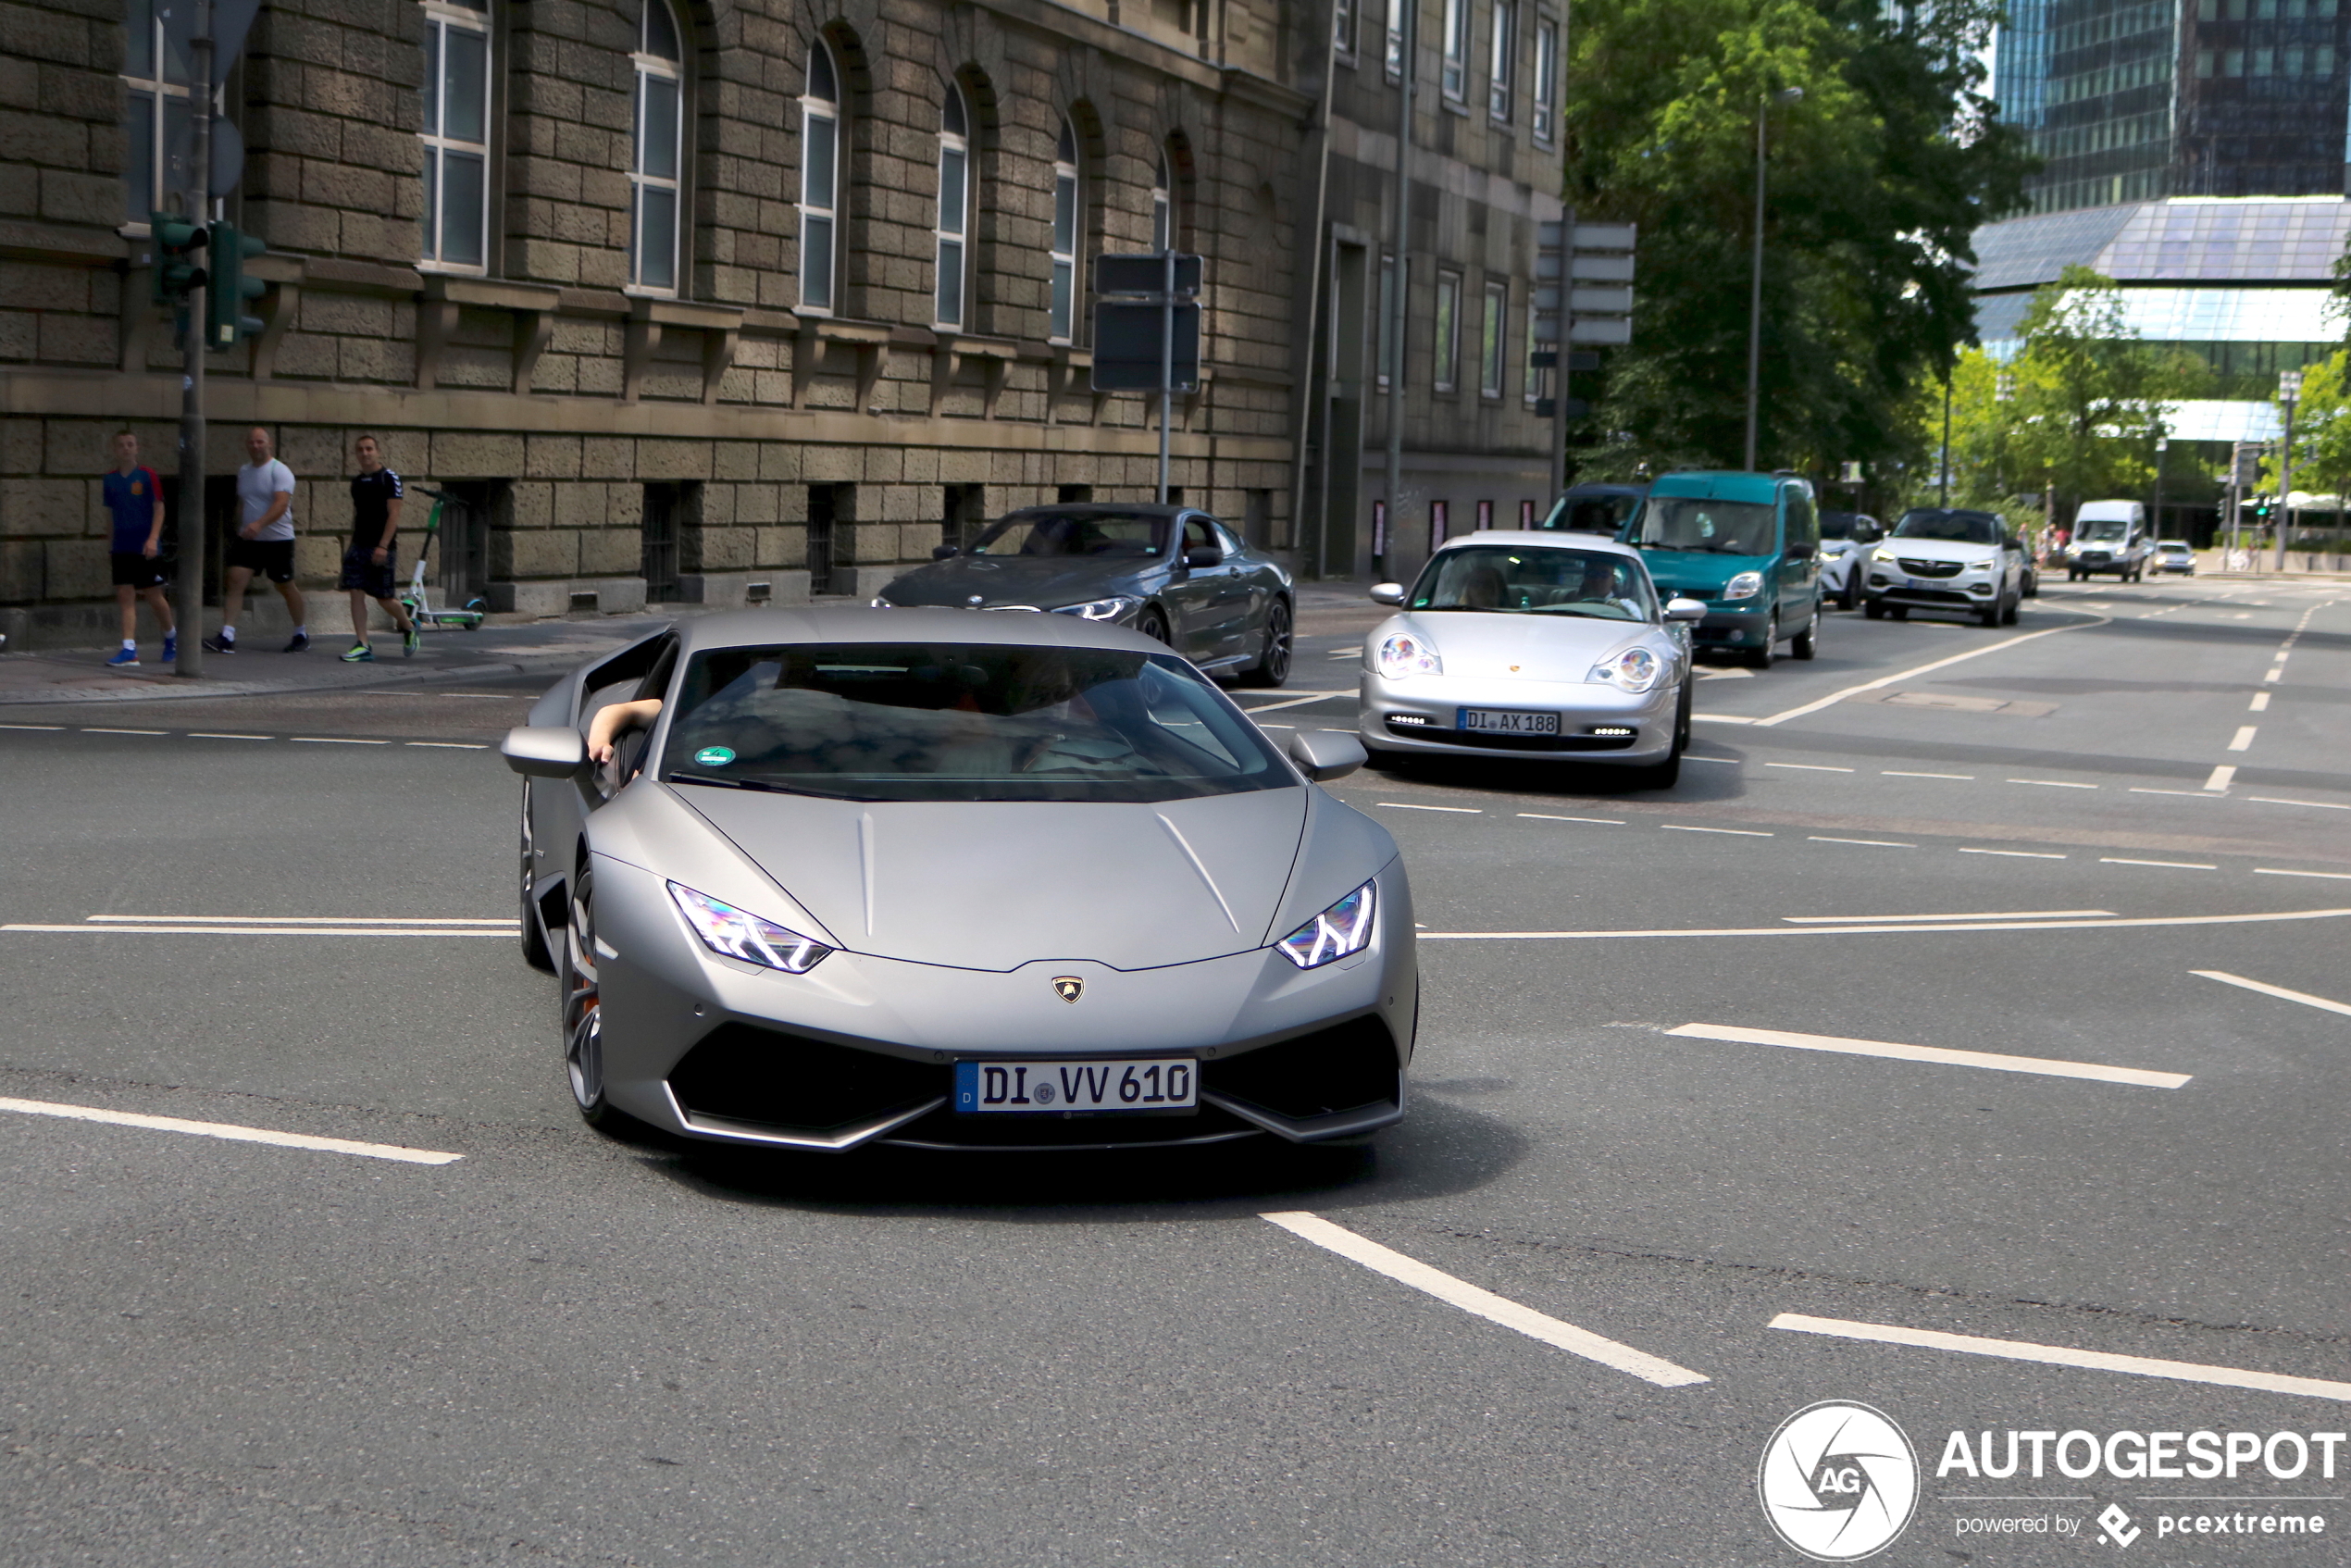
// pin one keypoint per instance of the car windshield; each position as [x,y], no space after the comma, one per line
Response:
[1841,525]
[962,722]
[1719,528]
[2174,547]
[1533,581]
[2104,528]
[1954,528]
[1073,533]
[1591,513]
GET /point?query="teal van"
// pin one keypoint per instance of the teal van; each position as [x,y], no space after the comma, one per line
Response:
[1745,545]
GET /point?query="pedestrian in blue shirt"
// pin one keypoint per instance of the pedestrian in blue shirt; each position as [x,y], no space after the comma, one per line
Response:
[134,501]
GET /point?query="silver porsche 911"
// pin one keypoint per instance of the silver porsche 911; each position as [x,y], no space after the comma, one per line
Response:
[955,881]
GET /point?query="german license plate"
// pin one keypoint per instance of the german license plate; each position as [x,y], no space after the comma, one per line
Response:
[1148,1084]
[1505,721]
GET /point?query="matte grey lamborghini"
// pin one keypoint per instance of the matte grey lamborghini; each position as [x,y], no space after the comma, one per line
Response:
[955,881]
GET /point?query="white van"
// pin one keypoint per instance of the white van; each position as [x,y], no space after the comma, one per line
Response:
[2109,536]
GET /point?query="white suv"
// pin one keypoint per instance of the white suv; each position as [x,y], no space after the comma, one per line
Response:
[1939,558]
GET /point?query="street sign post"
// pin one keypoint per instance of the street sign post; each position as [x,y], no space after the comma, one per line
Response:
[1147,330]
[1583,295]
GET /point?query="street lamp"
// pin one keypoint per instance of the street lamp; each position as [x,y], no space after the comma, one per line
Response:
[2003,389]
[1755,286]
[2289,394]
[2162,445]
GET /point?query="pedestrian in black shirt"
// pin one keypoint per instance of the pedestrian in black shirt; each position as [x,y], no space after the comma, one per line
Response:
[370,564]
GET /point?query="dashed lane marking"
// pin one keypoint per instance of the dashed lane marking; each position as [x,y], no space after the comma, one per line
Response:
[2053,783]
[2191,794]
[461,745]
[32,727]
[2173,865]
[231,1132]
[1298,701]
[1595,821]
[2305,998]
[331,741]
[2221,776]
[1872,843]
[1896,773]
[304,920]
[1962,914]
[2043,1066]
[2061,1355]
[216,735]
[94,730]
[1808,767]
[2243,740]
[1482,1302]
[2017,855]
[2274,871]
[2274,800]
[1734,833]
[1403,805]
[2266,917]
[2260,704]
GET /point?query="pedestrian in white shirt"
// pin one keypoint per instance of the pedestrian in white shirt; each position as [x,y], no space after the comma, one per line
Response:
[263,544]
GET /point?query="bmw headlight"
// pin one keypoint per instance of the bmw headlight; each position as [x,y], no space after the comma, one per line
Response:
[1635,669]
[1117,608]
[1747,585]
[881,603]
[1342,930]
[1406,654]
[737,934]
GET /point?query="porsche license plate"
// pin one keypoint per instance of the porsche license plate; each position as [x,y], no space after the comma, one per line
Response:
[1149,1084]
[1505,721]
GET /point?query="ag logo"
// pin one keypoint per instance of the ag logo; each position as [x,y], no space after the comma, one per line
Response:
[1069,988]
[1838,1481]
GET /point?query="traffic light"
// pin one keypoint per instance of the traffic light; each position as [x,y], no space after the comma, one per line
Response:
[179,262]
[226,323]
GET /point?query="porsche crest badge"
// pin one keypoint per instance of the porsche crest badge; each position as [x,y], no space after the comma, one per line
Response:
[1069,988]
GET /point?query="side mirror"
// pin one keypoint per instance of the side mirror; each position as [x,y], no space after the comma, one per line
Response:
[544,750]
[1685,610]
[1387,594]
[1203,555]
[1325,755]
[944,552]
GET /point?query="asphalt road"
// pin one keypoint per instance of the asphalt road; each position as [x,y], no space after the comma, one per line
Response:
[561,1348]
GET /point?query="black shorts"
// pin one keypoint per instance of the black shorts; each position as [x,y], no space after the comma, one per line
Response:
[132,568]
[272,558]
[360,570]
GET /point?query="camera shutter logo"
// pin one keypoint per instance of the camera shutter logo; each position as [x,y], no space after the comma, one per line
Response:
[1839,1481]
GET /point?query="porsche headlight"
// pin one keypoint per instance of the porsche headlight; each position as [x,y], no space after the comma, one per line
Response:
[1342,930]
[1747,585]
[1635,669]
[1117,608]
[726,929]
[1407,655]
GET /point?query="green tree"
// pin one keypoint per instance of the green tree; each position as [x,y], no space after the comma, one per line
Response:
[1878,176]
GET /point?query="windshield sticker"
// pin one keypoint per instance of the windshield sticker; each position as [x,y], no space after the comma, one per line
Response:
[714,757]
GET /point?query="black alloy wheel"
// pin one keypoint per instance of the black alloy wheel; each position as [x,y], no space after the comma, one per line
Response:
[534,940]
[1154,625]
[1273,666]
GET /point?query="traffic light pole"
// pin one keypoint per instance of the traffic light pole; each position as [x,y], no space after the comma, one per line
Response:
[188,591]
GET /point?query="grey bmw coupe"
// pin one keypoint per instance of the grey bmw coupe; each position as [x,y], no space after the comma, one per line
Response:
[1173,573]
[955,881]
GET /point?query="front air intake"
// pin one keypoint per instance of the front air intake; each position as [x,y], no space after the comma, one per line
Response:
[767,1077]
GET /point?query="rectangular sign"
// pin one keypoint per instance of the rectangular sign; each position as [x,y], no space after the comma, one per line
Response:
[1126,346]
[1604,236]
[1606,300]
[1600,268]
[1600,330]
[1013,1087]
[1145,274]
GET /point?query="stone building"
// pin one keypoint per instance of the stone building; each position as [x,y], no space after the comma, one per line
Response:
[727,301]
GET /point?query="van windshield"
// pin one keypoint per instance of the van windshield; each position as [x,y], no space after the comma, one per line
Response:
[1954,528]
[1707,527]
[2104,528]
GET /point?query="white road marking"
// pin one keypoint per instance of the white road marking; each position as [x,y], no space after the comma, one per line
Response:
[2273,800]
[2243,740]
[2221,776]
[1278,726]
[2331,876]
[231,1131]
[1879,930]
[1873,843]
[193,931]
[1896,773]
[2059,1355]
[1835,697]
[1482,1302]
[1726,675]
[2305,998]
[1735,832]
[2277,672]
[1964,914]
[1726,762]
[449,745]
[336,740]
[304,920]
[1298,701]
[215,735]
[92,729]
[2260,704]
[2043,1066]
[2191,794]
[1404,805]
[1600,821]
[32,727]
[2053,783]
[1724,718]
[1808,767]
[2173,864]
[2017,855]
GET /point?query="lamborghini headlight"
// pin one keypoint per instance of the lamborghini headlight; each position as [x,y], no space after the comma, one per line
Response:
[1117,608]
[1635,669]
[1747,585]
[1342,930]
[738,934]
[1407,655]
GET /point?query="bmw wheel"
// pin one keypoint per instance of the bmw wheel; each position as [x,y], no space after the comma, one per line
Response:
[1273,666]
[534,939]
[1154,625]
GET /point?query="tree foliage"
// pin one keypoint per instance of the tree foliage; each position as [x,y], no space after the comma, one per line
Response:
[1877,178]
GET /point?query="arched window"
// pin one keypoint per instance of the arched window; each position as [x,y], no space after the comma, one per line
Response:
[1162,206]
[1065,220]
[154,108]
[653,165]
[953,234]
[457,134]
[819,179]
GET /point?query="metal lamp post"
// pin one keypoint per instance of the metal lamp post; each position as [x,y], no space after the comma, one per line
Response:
[2162,445]
[1755,282]
[2289,394]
